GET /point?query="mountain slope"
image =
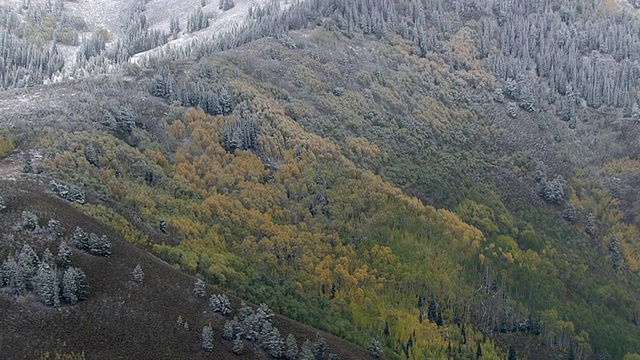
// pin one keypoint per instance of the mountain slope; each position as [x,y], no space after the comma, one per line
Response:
[443,182]
[120,318]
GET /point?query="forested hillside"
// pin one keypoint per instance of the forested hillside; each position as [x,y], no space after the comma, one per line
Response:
[426,179]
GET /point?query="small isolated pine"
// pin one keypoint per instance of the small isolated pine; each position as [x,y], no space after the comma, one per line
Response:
[138,274]
[186,326]
[207,338]
[179,321]
[199,289]
[2,204]
[375,349]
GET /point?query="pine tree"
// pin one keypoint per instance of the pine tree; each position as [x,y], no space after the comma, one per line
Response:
[2,204]
[91,155]
[27,165]
[80,239]
[512,353]
[29,221]
[291,348]
[272,341]
[70,286]
[231,329]
[82,284]
[220,303]
[207,338]
[47,285]
[179,321]
[64,254]
[54,227]
[320,348]
[47,257]
[306,353]
[238,346]
[138,274]
[375,348]
[616,257]
[478,351]
[199,288]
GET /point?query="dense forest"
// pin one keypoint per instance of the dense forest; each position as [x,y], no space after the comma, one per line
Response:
[428,179]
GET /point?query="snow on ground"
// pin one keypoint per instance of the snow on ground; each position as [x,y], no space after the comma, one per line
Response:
[159,13]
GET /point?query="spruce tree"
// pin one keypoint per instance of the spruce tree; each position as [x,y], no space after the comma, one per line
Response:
[199,288]
[80,239]
[207,338]
[70,286]
[306,352]
[291,348]
[238,346]
[138,274]
[375,348]
[64,254]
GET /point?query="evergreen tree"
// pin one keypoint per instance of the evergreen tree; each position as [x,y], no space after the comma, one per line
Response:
[272,341]
[82,284]
[80,239]
[478,351]
[91,155]
[27,165]
[220,303]
[47,285]
[207,338]
[614,247]
[231,329]
[29,221]
[70,288]
[238,346]
[320,348]
[375,348]
[512,353]
[291,348]
[199,288]
[2,204]
[47,257]
[186,326]
[306,352]
[179,321]
[225,5]
[64,254]
[54,227]
[138,274]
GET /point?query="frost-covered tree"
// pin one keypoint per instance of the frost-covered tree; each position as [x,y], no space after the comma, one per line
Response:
[29,221]
[47,257]
[272,341]
[232,329]
[207,338]
[306,351]
[225,5]
[2,204]
[238,346]
[375,348]
[70,286]
[291,348]
[220,303]
[98,245]
[91,155]
[179,321]
[199,288]
[64,254]
[138,274]
[80,239]
[47,285]
[614,248]
[54,228]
